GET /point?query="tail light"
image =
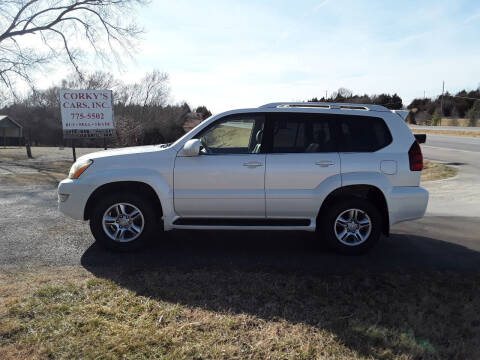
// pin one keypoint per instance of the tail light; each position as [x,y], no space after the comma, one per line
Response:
[415,156]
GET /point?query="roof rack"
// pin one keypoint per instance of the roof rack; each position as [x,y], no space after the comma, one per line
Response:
[326,105]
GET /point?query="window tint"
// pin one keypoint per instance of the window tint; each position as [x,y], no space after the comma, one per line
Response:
[301,133]
[233,135]
[363,134]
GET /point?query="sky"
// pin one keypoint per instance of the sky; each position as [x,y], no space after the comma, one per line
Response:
[235,54]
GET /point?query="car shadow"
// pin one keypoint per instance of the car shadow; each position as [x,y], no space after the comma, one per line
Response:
[299,251]
[287,275]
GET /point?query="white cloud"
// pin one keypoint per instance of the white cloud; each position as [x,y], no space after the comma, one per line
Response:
[472,18]
[320,5]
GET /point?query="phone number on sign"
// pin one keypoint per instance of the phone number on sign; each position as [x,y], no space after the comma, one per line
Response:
[89,116]
[90,124]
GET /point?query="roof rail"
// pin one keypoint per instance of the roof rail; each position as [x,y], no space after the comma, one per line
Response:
[325,105]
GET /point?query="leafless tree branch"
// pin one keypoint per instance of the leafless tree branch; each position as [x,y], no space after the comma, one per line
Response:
[68,29]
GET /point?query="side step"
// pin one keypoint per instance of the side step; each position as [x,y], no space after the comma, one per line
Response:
[241,222]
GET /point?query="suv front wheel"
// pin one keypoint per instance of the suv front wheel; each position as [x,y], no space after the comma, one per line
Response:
[123,221]
[351,225]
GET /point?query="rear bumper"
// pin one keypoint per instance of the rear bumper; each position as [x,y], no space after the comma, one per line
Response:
[73,197]
[407,203]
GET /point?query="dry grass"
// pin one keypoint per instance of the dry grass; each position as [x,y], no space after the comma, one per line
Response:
[42,153]
[48,167]
[203,314]
[450,121]
[437,171]
[44,173]
[448,132]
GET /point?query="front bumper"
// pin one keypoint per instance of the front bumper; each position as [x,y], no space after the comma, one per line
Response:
[72,198]
[407,203]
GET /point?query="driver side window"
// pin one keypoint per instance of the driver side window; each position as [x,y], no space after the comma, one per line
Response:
[239,134]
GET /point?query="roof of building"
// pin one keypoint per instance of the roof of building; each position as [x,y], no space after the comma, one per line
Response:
[8,122]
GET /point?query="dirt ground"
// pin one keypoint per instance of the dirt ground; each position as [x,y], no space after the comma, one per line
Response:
[48,166]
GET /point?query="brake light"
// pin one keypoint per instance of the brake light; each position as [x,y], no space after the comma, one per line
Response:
[415,156]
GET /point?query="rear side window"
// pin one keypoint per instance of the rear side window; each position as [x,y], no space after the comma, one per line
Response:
[300,133]
[362,134]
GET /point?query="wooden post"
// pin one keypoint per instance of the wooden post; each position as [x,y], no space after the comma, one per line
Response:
[27,145]
[73,151]
[29,150]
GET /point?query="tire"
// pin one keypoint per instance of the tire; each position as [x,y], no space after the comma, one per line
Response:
[127,220]
[359,237]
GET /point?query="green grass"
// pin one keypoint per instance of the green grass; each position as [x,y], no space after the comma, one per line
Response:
[173,314]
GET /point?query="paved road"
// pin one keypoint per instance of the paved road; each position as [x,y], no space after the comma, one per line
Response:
[467,143]
[459,196]
[445,128]
[34,233]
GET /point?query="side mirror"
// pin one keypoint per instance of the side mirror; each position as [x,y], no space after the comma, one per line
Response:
[191,148]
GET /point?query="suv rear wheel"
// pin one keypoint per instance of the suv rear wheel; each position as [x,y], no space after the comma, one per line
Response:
[351,225]
[123,221]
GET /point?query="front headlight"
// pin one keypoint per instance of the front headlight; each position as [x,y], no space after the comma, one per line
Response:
[78,168]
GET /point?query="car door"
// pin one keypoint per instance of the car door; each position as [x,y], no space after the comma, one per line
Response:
[227,178]
[302,163]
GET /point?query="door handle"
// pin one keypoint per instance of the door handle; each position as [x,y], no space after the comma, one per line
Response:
[252,164]
[325,163]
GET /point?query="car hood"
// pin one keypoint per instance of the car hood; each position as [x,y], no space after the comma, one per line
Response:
[123,151]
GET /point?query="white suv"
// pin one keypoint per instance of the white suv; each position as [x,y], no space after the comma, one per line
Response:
[347,171]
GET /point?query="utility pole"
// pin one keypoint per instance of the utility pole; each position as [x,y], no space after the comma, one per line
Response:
[443,91]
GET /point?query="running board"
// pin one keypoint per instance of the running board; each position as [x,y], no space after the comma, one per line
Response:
[241,222]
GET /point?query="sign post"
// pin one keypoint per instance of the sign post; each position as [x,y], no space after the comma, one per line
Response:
[86,114]
[73,151]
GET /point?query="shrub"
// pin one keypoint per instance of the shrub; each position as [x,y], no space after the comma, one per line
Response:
[474,113]
[411,118]
[436,119]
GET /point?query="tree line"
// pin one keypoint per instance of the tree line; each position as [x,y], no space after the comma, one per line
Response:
[429,111]
[142,114]
[463,104]
[343,95]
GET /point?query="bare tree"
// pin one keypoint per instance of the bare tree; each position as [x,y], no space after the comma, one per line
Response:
[147,96]
[2,98]
[152,90]
[95,80]
[36,32]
